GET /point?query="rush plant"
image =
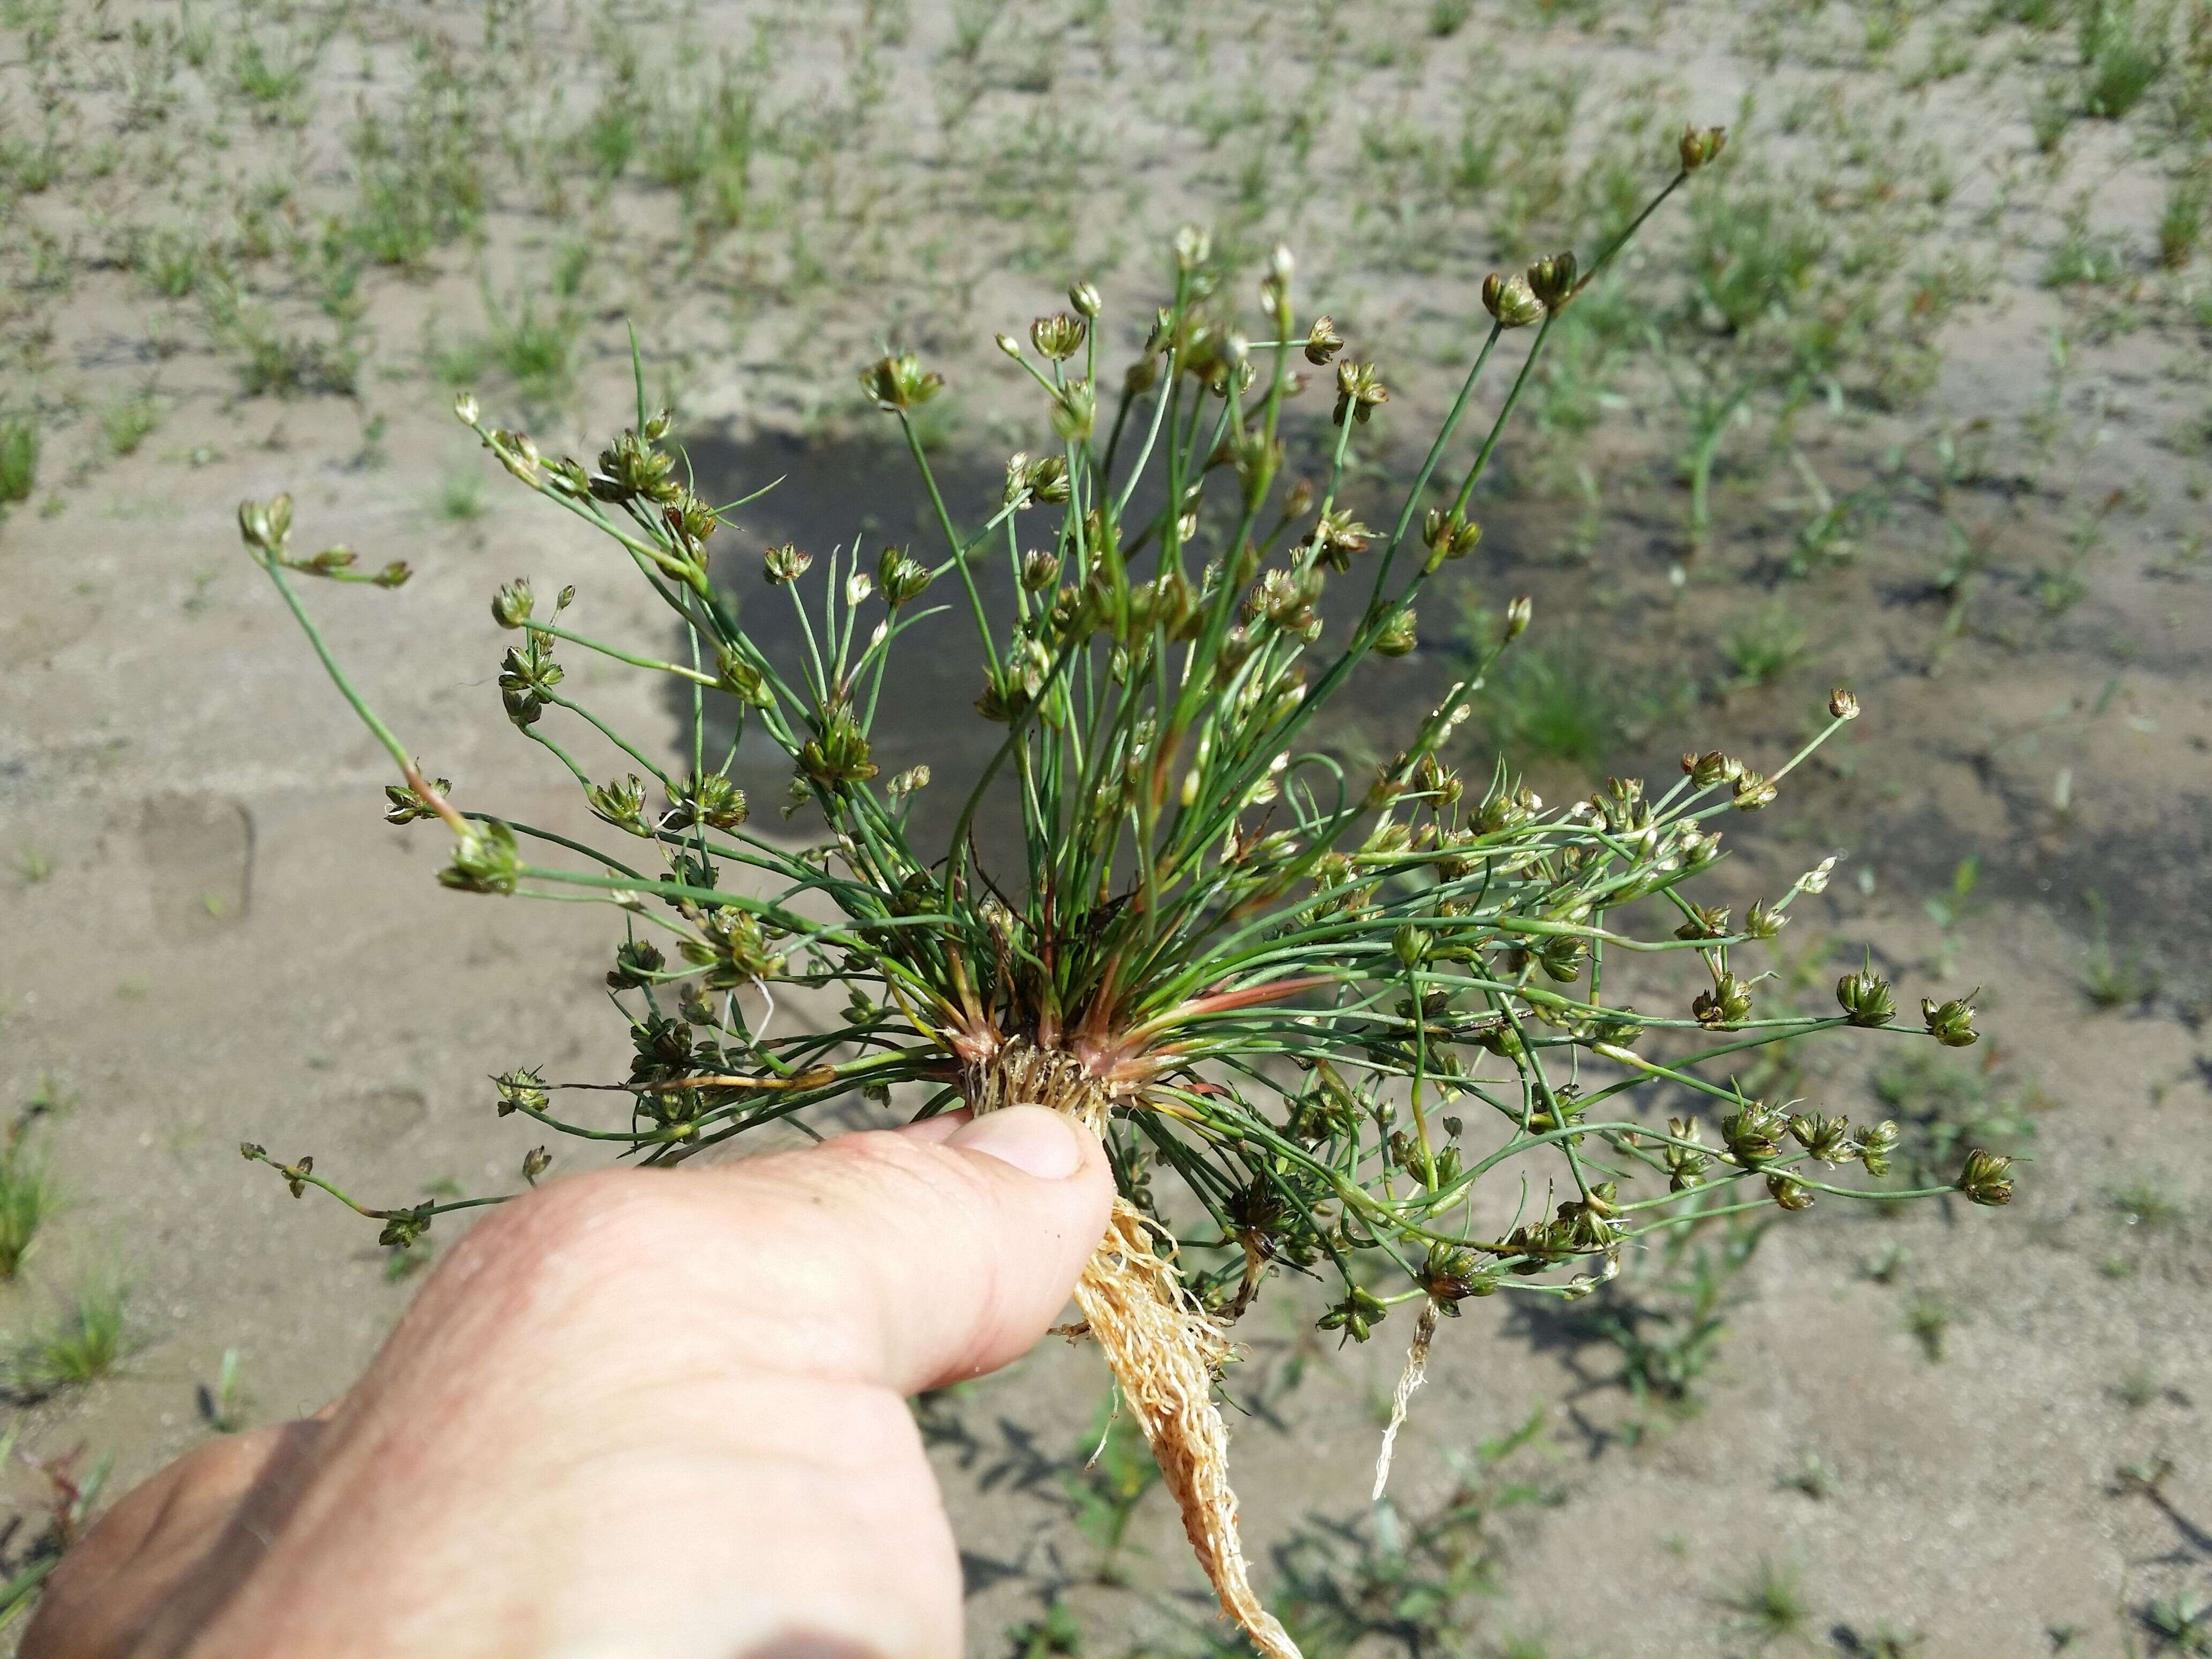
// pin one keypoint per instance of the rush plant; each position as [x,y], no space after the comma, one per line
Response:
[1368,1031]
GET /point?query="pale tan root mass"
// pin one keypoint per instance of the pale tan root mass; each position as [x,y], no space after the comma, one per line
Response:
[1164,1350]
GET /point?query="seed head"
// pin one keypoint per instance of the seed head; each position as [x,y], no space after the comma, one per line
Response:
[785,564]
[1335,536]
[406,804]
[711,799]
[1357,391]
[1753,791]
[1726,1006]
[901,576]
[1703,921]
[464,409]
[1397,637]
[1865,998]
[898,381]
[1875,1146]
[517,454]
[621,803]
[1450,535]
[1511,301]
[1828,1138]
[1060,336]
[485,861]
[740,678]
[1952,1024]
[1520,610]
[1357,1316]
[636,961]
[1323,342]
[1040,570]
[838,757]
[1074,409]
[511,604]
[1685,1166]
[266,524]
[1700,145]
[1790,1194]
[1842,704]
[1551,279]
[1047,479]
[1986,1178]
[1085,298]
[1711,768]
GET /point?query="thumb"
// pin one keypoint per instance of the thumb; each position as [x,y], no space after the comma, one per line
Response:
[913,1258]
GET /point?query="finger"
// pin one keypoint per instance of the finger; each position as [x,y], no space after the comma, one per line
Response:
[897,1260]
[171,1549]
[894,1261]
[935,1131]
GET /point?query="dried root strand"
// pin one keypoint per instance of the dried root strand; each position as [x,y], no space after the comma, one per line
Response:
[1415,1374]
[1165,1352]
[1164,1349]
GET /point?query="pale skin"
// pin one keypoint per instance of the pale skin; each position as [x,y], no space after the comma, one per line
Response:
[635,1415]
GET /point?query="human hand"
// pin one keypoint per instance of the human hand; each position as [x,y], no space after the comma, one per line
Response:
[634,1414]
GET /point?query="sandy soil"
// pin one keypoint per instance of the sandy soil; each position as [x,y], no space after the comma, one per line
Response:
[210,936]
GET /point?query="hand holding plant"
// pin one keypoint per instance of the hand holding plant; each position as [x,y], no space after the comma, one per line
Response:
[627,1415]
[1364,1029]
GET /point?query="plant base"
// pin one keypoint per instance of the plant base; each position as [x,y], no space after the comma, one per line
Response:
[1164,1349]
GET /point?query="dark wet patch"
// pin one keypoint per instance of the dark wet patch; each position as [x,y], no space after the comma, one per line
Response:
[2145,868]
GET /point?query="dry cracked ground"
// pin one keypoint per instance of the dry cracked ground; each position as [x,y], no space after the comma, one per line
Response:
[1910,393]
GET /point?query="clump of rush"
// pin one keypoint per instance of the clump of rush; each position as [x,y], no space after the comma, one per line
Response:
[1346,1028]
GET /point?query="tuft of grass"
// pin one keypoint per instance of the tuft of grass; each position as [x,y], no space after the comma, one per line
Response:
[1944,1110]
[2181,226]
[536,344]
[1927,1322]
[270,80]
[1668,1324]
[129,421]
[2138,1387]
[610,136]
[2148,1203]
[274,364]
[1559,702]
[2117,979]
[2122,55]
[1106,1481]
[1771,1604]
[85,1342]
[28,1197]
[172,261]
[1812,1476]
[419,181]
[2084,258]
[19,459]
[2050,115]
[1756,249]
[461,497]
[1763,645]
[1056,1631]
[2182,1624]
[223,1406]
